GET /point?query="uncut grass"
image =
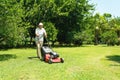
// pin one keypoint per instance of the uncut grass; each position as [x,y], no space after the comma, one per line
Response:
[81,63]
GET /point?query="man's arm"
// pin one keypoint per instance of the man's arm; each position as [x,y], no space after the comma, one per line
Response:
[36,33]
[45,34]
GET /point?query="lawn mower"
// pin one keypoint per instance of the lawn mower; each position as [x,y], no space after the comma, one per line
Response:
[48,55]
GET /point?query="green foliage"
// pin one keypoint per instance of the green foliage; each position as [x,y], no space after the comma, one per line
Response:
[66,21]
[74,22]
[51,31]
[110,37]
[87,36]
[10,33]
[78,39]
[104,23]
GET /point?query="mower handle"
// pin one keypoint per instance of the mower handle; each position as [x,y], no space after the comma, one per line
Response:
[46,41]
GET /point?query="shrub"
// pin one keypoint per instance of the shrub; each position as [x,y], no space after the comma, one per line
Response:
[51,31]
[78,39]
[110,37]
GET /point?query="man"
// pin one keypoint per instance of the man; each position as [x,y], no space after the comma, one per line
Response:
[40,34]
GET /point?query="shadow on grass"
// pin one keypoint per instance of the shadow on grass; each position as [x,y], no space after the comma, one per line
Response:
[4,57]
[32,57]
[115,58]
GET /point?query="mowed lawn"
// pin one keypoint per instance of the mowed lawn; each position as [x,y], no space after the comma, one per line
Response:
[81,63]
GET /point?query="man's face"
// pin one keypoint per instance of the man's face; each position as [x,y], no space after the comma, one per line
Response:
[40,26]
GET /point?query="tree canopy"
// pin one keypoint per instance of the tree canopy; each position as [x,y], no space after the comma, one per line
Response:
[66,22]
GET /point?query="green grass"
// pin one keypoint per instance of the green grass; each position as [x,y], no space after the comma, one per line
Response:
[81,63]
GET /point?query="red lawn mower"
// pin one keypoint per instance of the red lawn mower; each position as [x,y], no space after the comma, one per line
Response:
[48,55]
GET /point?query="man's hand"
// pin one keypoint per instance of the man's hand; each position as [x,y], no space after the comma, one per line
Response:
[45,35]
[37,35]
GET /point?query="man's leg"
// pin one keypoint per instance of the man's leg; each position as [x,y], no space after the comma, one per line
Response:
[38,50]
[41,44]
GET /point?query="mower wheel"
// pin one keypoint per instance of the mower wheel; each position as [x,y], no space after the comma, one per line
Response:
[62,60]
[50,61]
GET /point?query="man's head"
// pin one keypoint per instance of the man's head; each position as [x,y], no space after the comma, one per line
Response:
[40,25]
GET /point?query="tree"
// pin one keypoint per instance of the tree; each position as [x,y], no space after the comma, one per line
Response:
[115,25]
[74,21]
[100,24]
[66,15]
[64,18]
[10,33]
[110,37]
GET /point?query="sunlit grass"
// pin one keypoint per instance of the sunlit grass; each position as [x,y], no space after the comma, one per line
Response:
[81,63]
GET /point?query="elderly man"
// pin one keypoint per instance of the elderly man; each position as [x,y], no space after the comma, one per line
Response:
[40,34]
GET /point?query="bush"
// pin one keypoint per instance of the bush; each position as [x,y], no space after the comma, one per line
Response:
[118,43]
[51,31]
[78,39]
[10,32]
[109,37]
[87,36]
[12,36]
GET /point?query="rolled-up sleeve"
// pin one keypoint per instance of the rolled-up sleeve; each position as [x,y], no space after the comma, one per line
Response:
[36,31]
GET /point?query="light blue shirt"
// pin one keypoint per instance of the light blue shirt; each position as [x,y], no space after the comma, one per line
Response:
[41,33]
